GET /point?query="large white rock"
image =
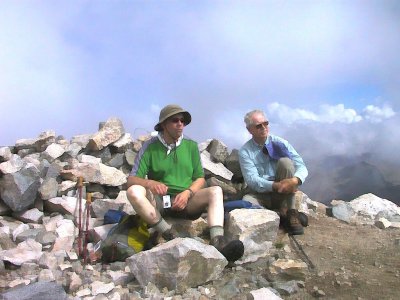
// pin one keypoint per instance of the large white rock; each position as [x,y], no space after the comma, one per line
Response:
[256,228]
[215,168]
[177,265]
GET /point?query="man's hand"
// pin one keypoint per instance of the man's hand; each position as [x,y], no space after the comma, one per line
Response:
[157,188]
[286,186]
[181,200]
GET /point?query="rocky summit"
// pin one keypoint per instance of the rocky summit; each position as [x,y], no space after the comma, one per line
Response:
[350,250]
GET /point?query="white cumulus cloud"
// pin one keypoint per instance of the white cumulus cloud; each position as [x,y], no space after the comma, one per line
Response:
[377,114]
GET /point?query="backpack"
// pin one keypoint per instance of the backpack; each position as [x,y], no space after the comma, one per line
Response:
[125,239]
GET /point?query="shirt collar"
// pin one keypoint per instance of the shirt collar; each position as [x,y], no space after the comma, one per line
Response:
[169,146]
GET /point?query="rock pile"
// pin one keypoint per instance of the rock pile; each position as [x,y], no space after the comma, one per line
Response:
[38,227]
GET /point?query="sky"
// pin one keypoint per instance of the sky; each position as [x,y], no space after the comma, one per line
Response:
[327,73]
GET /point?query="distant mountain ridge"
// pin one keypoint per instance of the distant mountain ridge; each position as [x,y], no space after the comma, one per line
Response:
[347,177]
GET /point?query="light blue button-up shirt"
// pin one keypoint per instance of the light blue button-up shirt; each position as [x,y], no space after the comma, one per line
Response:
[258,169]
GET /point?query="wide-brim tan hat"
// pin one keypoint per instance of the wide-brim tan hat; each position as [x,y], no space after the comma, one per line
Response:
[169,111]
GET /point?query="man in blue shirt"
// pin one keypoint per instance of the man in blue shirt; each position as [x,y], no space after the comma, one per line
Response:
[273,170]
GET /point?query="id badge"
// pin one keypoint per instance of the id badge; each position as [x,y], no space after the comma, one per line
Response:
[167,201]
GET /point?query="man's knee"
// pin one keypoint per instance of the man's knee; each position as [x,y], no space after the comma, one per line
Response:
[284,168]
[135,193]
[214,193]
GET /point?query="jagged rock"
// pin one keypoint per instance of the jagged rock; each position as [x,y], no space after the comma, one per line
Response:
[100,232]
[288,269]
[64,243]
[218,151]
[5,154]
[96,173]
[30,233]
[130,156]
[30,216]
[6,242]
[25,144]
[27,251]
[52,152]
[4,209]
[193,228]
[382,223]
[50,223]
[123,144]
[12,165]
[48,189]
[341,211]
[65,228]
[72,150]
[177,264]
[99,287]
[65,205]
[120,277]
[111,132]
[21,228]
[82,140]
[263,294]
[76,282]
[123,199]
[45,139]
[45,238]
[117,161]
[286,287]
[90,159]
[370,205]
[228,189]
[215,168]
[38,290]
[204,145]
[48,170]
[18,190]
[256,228]
[65,187]
[101,206]
[364,209]
[46,275]
[233,165]
[51,260]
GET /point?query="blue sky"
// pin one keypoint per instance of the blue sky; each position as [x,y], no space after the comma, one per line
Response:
[326,71]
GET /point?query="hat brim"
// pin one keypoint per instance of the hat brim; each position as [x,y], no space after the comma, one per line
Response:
[186,117]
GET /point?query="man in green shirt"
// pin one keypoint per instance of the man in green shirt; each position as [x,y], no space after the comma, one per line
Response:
[167,179]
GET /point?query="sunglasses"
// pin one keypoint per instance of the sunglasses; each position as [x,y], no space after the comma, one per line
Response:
[176,120]
[261,125]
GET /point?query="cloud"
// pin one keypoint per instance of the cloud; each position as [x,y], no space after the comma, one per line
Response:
[377,114]
[283,114]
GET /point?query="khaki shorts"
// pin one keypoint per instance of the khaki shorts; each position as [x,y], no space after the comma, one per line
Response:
[178,214]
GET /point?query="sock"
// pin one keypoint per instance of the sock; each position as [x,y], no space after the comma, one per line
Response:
[161,226]
[216,231]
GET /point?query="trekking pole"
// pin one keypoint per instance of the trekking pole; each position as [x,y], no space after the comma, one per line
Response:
[308,260]
[79,198]
[88,204]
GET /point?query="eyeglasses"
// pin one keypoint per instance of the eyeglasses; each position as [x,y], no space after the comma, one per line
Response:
[261,125]
[176,120]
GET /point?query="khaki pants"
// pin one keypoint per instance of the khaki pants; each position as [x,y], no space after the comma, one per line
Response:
[274,200]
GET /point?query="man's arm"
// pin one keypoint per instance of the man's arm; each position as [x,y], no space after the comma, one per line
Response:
[182,198]
[251,176]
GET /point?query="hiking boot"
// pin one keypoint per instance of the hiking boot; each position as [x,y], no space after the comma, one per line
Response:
[294,226]
[169,234]
[232,250]
[303,219]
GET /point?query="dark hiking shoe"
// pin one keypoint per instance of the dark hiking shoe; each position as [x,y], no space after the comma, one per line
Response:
[232,250]
[169,234]
[294,226]
[172,233]
[303,219]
